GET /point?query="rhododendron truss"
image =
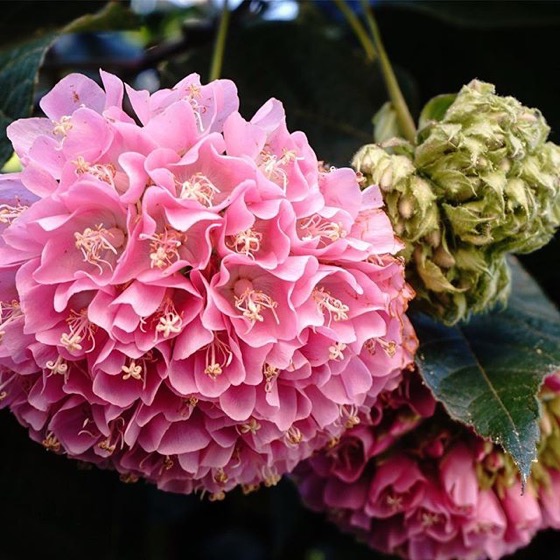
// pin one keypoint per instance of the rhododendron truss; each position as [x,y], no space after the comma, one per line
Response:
[411,482]
[188,296]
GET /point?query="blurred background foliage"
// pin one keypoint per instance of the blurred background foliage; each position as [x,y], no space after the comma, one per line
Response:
[304,54]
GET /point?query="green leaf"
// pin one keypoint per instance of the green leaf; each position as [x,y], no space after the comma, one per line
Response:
[19,65]
[487,373]
[328,88]
[436,108]
[385,125]
[113,16]
[18,70]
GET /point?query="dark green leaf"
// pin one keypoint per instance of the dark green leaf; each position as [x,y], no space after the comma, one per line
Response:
[19,65]
[328,88]
[114,16]
[18,70]
[436,108]
[487,373]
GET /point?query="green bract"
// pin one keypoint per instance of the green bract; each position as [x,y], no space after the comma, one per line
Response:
[409,199]
[481,182]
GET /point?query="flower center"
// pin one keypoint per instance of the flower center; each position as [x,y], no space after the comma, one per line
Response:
[252,302]
[294,435]
[198,188]
[271,165]
[250,426]
[335,351]
[218,357]
[51,443]
[336,310]
[94,243]
[103,172]
[270,373]
[394,501]
[79,328]
[389,347]
[9,213]
[133,370]
[349,415]
[315,227]
[59,366]
[192,97]
[9,312]
[164,247]
[169,321]
[62,126]
[246,242]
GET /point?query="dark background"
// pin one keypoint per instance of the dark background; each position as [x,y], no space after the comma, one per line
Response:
[51,508]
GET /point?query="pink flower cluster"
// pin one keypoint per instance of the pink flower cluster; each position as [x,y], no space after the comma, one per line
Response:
[188,296]
[415,484]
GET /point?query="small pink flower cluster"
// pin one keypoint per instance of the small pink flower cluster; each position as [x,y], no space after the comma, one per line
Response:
[187,296]
[415,484]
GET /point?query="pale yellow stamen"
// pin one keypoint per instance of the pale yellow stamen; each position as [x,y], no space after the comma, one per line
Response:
[218,357]
[389,347]
[294,435]
[133,370]
[198,188]
[270,374]
[9,213]
[246,242]
[103,172]
[270,476]
[9,312]
[271,165]
[429,519]
[315,227]
[59,366]
[62,126]
[164,247]
[169,323]
[251,426]
[394,502]
[336,351]
[252,302]
[220,476]
[336,310]
[79,328]
[349,415]
[95,242]
[51,443]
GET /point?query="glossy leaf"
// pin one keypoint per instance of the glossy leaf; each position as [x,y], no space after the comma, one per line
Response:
[436,108]
[114,16]
[18,71]
[487,373]
[19,65]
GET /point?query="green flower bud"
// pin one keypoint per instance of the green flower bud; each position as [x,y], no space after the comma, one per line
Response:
[497,180]
[482,182]
[409,199]
[453,284]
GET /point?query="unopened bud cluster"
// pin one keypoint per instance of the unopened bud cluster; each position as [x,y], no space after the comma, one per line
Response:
[481,182]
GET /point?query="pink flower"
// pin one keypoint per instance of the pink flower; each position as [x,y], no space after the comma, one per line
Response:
[409,481]
[190,297]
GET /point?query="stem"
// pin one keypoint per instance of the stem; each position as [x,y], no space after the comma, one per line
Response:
[358,28]
[219,45]
[404,118]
